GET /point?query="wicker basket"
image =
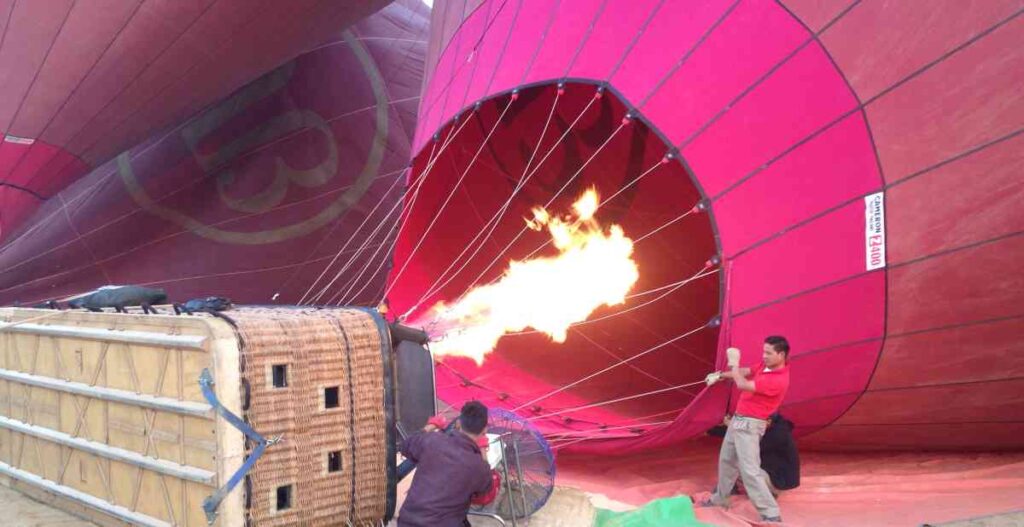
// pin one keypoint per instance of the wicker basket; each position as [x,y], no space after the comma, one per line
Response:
[102,415]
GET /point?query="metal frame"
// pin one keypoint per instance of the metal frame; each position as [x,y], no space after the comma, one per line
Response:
[110,335]
[164,404]
[212,502]
[169,468]
[494,517]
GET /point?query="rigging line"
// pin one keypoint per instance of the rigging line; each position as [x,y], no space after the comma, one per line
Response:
[489,227]
[352,236]
[444,205]
[369,261]
[665,225]
[158,240]
[546,205]
[603,203]
[668,286]
[617,357]
[352,259]
[431,161]
[563,436]
[380,201]
[613,366]
[548,241]
[380,266]
[597,433]
[397,229]
[629,423]
[399,220]
[536,168]
[698,276]
[616,400]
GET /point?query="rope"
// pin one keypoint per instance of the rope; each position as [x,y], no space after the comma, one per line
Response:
[603,202]
[431,161]
[355,280]
[609,368]
[569,436]
[574,436]
[546,205]
[617,400]
[364,246]
[609,352]
[666,224]
[633,422]
[523,181]
[352,236]
[493,222]
[4,327]
[416,186]
[447,200]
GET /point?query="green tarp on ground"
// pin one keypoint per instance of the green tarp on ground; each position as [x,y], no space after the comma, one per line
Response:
[668,512]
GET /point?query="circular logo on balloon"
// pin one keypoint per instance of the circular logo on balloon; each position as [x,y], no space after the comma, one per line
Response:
[226,127]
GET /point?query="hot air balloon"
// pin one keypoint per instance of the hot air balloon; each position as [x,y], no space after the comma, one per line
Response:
[814,170]
[84,81]
[282,190]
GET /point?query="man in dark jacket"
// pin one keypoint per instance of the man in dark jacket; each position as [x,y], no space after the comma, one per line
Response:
[450,472]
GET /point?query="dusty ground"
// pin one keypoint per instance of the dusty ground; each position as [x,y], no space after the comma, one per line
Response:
[21,511]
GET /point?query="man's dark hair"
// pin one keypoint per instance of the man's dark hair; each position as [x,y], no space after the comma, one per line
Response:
[779,344]
[473,417]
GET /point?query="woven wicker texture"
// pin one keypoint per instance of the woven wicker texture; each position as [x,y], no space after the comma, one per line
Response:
[322,349]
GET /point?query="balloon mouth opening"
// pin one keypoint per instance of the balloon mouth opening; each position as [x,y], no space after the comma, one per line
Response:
[469,192]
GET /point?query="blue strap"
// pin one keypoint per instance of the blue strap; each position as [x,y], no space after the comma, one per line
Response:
[211,503]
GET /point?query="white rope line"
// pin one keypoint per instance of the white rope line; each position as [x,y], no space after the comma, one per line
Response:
[397,229]
[617,400]
[7,325]
[673,289]
[617,357]
[345,299]
[597,433]
[666,224]
[431,159]
[609,368]
[546,205]
[384,260]
[351,237]
[366,244]
[629,423]
[508,203]
[603,202]
[492,224]
[700,274]
[444,205]
[435,154]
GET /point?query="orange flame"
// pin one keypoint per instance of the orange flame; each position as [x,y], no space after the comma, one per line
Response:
[593,268]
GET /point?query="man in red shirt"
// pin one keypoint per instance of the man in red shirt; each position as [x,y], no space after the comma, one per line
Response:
[761,395]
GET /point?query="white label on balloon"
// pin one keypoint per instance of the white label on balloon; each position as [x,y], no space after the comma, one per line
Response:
[874,230]
[19,140]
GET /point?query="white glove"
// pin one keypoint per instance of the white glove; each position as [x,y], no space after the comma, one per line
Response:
[713,377]
[733,357]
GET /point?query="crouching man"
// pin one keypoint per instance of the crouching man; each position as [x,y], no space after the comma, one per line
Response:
[451,472]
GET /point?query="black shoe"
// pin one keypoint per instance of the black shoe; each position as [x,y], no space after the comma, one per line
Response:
[772,519]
